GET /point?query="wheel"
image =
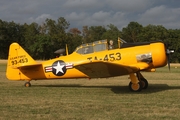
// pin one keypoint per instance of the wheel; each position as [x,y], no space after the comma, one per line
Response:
[135,87]
[144,83]
[27,84]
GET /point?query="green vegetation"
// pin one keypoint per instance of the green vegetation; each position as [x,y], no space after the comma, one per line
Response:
[102,99]
[40,41]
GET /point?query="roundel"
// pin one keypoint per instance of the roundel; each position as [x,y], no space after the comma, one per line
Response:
[59,68]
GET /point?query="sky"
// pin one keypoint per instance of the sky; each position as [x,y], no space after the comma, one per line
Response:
[81,13]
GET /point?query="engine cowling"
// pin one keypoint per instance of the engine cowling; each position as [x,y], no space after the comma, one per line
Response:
[159,58]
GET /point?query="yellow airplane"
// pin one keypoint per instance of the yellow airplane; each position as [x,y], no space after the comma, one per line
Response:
[91,60]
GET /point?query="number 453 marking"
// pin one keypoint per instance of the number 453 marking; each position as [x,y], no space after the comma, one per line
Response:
[112,57]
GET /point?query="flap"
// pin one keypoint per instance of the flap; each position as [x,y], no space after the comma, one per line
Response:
[101,69]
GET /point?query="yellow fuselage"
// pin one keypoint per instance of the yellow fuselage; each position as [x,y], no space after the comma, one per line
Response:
[143,57]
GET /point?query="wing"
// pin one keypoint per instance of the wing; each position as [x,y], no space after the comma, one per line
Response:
[100,69]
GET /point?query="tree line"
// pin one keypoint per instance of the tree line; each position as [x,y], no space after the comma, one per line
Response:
[41,40]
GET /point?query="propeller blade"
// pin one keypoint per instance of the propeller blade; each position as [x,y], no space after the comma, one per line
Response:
[168,61]
[60,51]
[168,53]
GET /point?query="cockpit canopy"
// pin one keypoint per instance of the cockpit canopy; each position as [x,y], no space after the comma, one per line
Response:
[96,46]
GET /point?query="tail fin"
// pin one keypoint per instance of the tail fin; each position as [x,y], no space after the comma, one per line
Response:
[17,58]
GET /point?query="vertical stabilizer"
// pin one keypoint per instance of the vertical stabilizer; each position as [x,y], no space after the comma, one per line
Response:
[17,58]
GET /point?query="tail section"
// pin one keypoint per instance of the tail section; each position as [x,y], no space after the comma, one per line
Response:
[17,58]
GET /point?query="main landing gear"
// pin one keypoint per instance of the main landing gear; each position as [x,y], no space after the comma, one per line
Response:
[138,82]
[27,84]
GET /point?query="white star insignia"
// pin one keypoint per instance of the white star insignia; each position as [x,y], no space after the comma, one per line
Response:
[59,68]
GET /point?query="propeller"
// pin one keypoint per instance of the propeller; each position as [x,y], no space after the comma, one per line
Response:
[60,51]
[168,53]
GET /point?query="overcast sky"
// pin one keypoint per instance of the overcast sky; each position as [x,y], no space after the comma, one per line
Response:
[94,12]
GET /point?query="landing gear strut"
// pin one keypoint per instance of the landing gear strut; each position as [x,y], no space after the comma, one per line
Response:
[138,82]
[143,81]
[27,84]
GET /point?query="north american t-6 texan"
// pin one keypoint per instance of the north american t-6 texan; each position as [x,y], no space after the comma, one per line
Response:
[92,60]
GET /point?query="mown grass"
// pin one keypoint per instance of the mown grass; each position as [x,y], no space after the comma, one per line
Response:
[96,99]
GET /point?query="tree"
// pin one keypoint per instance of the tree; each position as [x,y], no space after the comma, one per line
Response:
[9,32]
[3,39]
[75,31]
[51,34]
[131,32]
[97,32]
[93,33]
[30,33]
[42,48]
[112,33]
[73,42]
[153,32]
[85,34]
[74,39]
[173,42]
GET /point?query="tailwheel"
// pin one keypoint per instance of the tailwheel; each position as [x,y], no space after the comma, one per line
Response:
[135,87]
[27,84]
[144,83]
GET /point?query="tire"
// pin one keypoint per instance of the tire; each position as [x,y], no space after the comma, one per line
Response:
[144,83]
[135,87]
[27,84]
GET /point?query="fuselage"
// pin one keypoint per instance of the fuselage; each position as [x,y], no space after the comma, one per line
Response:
[153,55]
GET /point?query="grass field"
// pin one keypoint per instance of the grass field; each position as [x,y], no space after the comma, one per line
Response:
[96,99]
